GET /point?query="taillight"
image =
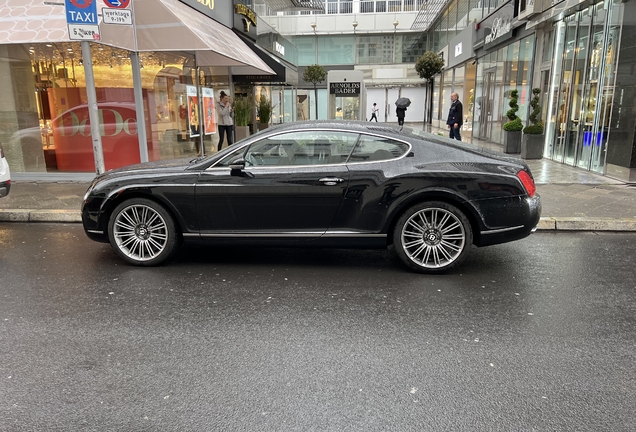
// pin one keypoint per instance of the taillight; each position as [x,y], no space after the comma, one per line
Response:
[527,182]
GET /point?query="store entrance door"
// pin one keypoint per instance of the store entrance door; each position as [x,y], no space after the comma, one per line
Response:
[487,103]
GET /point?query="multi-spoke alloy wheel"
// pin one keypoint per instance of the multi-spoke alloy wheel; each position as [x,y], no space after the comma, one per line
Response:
[432,237]
[142,232]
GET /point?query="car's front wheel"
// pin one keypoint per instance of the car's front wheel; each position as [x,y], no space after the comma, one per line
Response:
[142,232]
[432,237]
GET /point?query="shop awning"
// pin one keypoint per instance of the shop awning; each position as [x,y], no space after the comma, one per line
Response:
[161,25]
[276,65]
[169,25]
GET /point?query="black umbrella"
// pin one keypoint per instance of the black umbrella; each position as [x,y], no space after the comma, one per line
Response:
[403,102]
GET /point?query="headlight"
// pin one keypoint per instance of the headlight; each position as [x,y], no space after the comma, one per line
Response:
[88,192]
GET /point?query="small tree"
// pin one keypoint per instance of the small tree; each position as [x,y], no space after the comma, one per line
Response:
[427,66]
[536,126]
[315,74]
[514,124]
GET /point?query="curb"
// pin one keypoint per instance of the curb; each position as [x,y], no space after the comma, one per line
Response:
[586,224]
[545,223]
[30,215]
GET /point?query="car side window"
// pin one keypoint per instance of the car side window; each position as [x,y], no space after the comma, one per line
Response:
[225,162]
[373,148]
[301,149]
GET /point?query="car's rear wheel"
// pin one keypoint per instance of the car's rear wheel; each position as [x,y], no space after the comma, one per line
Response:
[432,237]
[142,232]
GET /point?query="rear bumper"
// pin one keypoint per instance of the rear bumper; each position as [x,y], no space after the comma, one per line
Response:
[529,213]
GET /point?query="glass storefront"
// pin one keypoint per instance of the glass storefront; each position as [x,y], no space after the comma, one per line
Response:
[498,73]
[44,112]
[460,80]
[582,86]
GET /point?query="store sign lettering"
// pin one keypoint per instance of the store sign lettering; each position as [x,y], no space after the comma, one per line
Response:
[83,17]
[500,27]
[207,3]
[344,88]
[243,10]
[83,128]
[279,48]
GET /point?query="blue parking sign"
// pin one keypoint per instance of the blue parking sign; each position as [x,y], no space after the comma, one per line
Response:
[81,12]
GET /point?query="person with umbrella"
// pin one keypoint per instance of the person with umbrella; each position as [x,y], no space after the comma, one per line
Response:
[455,114]
[400,109]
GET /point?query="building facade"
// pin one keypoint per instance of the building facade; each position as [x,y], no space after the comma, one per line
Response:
[157,81]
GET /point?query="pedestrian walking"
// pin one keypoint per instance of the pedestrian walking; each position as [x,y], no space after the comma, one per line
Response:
[400,113]
[374,112]
[455,115]
[226,123]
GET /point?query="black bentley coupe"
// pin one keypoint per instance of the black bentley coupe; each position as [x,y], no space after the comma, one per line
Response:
[326,183]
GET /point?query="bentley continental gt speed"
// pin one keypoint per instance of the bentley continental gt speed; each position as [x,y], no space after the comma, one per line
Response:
[325,184]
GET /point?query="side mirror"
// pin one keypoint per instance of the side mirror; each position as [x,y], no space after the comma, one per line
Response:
[237,164]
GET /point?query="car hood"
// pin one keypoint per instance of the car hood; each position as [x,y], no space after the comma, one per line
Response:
[173,165]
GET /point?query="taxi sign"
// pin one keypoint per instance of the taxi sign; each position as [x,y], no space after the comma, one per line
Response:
[81,12]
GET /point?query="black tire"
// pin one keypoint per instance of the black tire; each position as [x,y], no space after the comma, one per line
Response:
[142,232]
[432,237]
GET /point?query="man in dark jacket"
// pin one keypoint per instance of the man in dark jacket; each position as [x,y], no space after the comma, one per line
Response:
[455,115]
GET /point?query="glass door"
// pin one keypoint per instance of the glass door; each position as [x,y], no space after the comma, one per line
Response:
[607,66]
[590,106]
[486,119]
[552,129]
[576,117]
[565,92]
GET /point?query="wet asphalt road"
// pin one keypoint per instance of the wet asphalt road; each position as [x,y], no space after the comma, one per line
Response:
[534,335]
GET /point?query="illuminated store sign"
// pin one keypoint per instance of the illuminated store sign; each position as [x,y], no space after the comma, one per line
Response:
[458,49]
[250,16]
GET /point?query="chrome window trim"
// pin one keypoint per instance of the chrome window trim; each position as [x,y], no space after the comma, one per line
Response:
[375,134]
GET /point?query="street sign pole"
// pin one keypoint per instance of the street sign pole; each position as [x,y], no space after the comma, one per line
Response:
[93,110]
[139,106]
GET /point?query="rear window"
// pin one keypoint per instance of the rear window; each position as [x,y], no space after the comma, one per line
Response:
[373,148]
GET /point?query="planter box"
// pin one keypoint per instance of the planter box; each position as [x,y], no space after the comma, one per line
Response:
[262,126]
[241,132]
[532,146]
[512,142]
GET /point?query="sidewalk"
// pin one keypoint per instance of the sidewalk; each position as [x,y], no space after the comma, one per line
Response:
[572,199]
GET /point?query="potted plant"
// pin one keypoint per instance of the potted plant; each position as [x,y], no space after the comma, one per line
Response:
[264,111]
[532,140]
[242,107]
[512,129]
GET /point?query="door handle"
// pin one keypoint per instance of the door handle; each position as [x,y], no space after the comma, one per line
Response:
[331,181]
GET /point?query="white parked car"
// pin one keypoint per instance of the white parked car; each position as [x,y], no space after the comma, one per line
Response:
[5,175]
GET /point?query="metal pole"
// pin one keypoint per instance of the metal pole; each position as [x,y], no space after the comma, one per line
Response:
[200,105]
[142,138]
[139,106]
[93,110]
